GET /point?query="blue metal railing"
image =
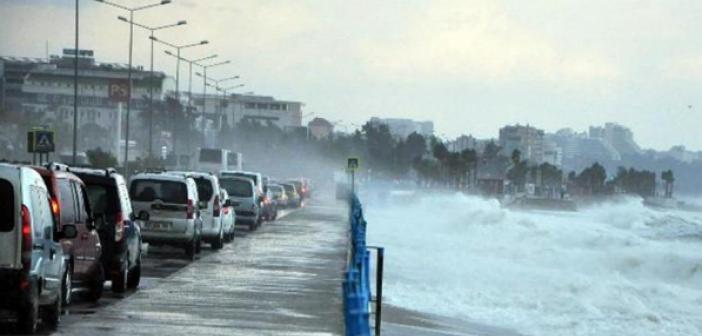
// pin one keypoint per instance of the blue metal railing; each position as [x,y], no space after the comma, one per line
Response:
[356,285]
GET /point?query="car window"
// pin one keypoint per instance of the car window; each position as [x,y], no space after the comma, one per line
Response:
[204,188]
[236,187]
[41,213]
[81,205]
[166,191]
[103,199]
[67,199]
[7,206]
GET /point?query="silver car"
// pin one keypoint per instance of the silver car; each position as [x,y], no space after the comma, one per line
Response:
[168,206]
[33,268]
[242,195]
[210,206]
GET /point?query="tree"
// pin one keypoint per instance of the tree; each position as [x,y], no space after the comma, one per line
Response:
[668,177]
[101,159]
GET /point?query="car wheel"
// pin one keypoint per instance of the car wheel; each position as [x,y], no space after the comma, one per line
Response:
[135,275]
[98,284]
[52,315]
[191,249]
[119,280]
[28,313]
[219,242]
[67,287]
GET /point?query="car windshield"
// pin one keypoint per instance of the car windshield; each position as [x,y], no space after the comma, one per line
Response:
[251,177]
[204,188]
[7,206]
[289,188]
[166,191]
[237,187]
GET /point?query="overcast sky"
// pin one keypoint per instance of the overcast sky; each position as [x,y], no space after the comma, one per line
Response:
[471,66]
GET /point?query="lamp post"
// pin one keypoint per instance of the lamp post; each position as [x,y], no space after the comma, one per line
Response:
[151,73]
[131,11]
[178,48]
[204,94]
[224,99]
[75,95]
[190,70]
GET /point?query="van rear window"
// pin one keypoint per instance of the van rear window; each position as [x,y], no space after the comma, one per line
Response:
[7,206]
[166,191]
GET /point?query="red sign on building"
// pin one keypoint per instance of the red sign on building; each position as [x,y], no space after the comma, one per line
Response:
[118,90]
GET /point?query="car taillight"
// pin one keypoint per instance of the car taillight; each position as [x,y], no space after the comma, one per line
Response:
[119,226]
[217,207]
[190,210]
[26,245]
[55,209]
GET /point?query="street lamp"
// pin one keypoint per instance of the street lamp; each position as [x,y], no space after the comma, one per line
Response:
[75,94]
[190,70]
[224,98]
[131,11]
[178,48]
[151,73]
[204,93]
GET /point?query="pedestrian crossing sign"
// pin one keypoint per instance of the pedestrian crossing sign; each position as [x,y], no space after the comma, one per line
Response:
[353,163]
[40,141]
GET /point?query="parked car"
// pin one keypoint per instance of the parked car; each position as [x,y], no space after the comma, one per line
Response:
[228,215]
[70,205]
[278,194]
[242,196]
[253,176]
[210,206]
[294,200]
[119,230]
[33,267]
[269,208]
[167,206]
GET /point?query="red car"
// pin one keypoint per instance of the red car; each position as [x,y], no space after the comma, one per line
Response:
[70,205]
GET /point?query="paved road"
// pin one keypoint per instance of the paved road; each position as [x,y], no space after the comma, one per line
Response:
[283,279]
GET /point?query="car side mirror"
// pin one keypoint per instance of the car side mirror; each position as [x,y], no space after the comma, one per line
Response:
[227,203]
[68,231]
[144,216]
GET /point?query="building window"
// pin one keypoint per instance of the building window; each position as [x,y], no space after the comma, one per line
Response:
[262,106]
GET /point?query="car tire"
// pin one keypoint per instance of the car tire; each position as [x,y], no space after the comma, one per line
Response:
[28,313]
[51,316]
[218,243]
[119,279]
[67,287]
[97,285]
[135,275]
[191,249]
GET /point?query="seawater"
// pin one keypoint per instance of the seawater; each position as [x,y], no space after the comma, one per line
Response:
[617,268]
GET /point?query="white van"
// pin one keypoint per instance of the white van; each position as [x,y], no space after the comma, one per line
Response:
[210,205]
[33,268]
[168,206]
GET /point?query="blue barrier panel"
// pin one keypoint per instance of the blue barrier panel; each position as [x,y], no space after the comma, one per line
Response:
[356,285]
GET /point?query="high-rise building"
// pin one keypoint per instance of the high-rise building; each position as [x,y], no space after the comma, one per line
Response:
[42,91]
[402,128]
[620,137]
[527,139]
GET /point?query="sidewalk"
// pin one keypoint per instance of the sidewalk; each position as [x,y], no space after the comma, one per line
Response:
[284,279]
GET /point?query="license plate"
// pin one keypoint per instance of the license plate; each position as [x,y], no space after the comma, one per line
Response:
[159,225]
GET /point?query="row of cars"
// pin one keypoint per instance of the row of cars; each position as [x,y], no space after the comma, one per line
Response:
[66,230]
